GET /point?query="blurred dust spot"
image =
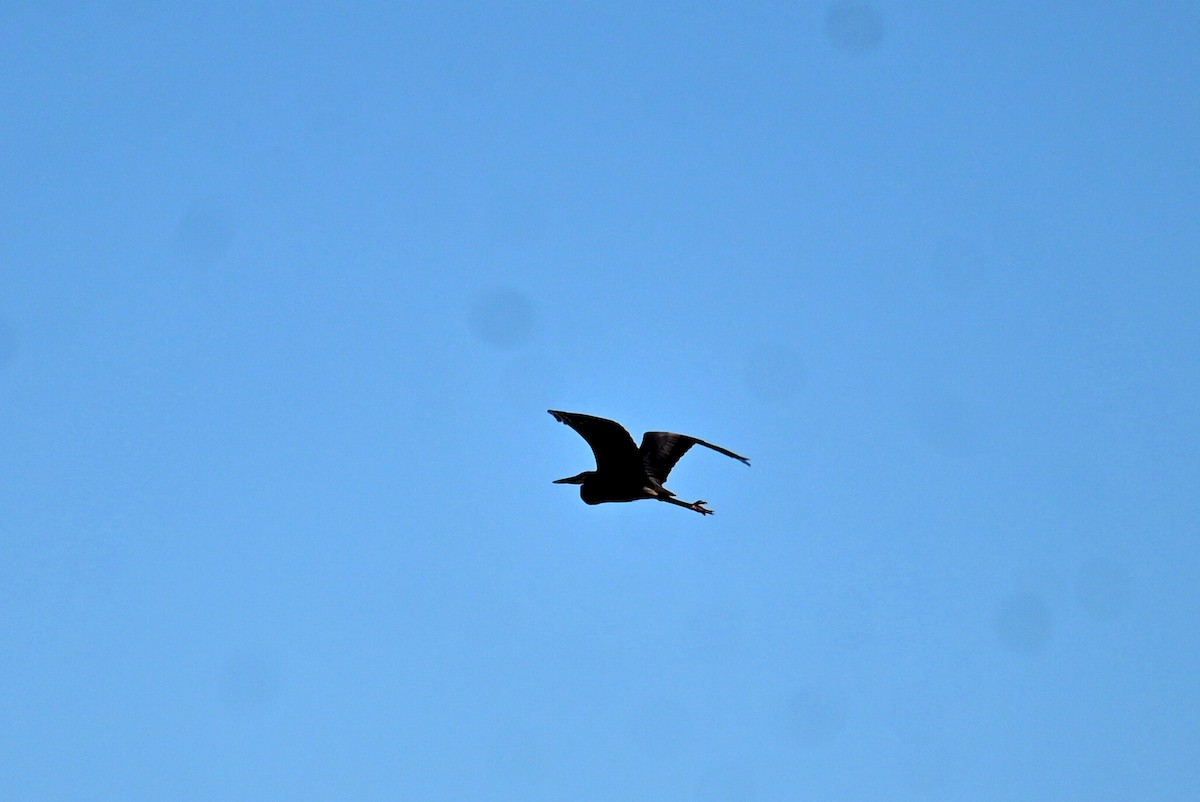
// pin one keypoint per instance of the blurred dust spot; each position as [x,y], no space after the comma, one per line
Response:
[1103,588]
[854,27]
[8,344]
[503,318]
[249,684]
[204,232]
[1022,624]
[815,716]
[773,373]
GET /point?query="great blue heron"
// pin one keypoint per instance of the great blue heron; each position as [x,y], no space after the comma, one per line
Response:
[625,472]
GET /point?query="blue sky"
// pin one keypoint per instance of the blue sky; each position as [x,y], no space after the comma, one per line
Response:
[287,289]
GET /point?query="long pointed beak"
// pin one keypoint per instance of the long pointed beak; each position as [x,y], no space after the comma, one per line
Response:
[570,480]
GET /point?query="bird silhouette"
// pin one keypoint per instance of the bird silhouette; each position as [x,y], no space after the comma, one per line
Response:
[625,472]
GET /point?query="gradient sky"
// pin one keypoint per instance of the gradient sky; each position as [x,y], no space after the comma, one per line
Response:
[285,292]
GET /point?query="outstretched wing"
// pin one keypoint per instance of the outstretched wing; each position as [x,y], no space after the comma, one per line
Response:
[661,450]
[615,450]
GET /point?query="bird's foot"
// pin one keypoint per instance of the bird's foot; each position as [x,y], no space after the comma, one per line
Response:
[699,507]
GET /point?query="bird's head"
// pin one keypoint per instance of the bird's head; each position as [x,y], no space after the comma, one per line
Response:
[578,479]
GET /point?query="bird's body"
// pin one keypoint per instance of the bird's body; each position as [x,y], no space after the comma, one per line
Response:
[625,472]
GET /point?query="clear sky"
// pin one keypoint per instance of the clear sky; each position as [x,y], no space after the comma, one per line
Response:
[287,288]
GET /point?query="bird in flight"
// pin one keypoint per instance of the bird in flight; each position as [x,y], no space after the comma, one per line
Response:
[625,472]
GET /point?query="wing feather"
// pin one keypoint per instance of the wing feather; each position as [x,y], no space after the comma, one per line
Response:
[661,450]
[615,451]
